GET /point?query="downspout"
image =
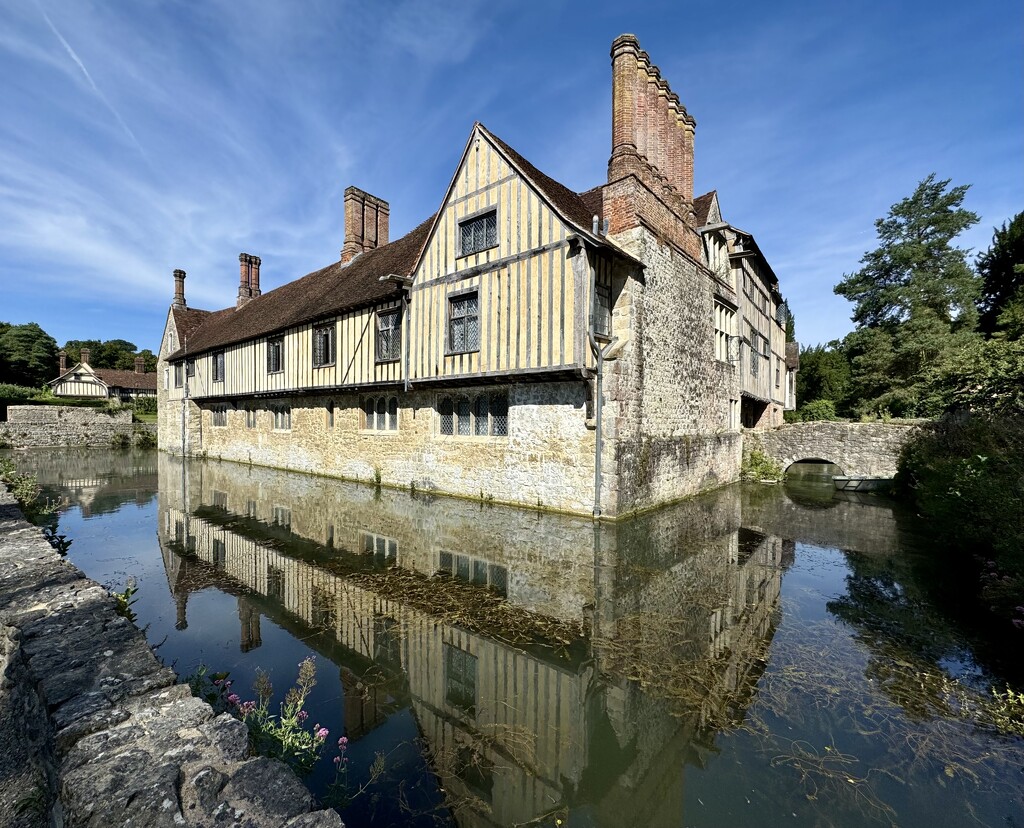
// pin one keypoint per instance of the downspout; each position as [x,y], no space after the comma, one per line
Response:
[600,354]
[184,405]
[408,338]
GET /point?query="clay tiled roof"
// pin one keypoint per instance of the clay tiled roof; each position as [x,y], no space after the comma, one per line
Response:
[126,379]
[701,206]
[317,295]
[564,200]
[186,320]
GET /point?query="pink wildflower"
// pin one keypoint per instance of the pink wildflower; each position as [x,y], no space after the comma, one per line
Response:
[234,698]
[322,733]
[302,715]
[342,742]
[337,760]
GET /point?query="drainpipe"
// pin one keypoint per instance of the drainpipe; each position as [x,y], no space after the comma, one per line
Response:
[184,405]
[408,338]
[600,354]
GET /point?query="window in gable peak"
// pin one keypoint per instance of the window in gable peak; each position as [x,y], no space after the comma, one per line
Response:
[478,233]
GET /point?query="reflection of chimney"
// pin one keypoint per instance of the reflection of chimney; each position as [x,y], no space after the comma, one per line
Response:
[366,223]
[179,289]
[181,600]
[63,356]
[84,356]
[250,619]
[140,365]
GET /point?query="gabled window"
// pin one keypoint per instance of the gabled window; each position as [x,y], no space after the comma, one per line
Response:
[389,336]
[478,233]
[218,366]
[463,323]
[323,345]
[275,355]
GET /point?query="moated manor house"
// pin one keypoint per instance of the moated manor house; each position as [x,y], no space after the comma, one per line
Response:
[592,352]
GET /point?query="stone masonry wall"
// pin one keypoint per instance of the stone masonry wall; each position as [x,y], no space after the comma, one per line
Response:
[669,395]
[546,460]
[43,426]
[93,729]
[859,449]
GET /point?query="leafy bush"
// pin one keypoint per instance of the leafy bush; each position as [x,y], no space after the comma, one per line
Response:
[121,441]
[964,475]
[759,467]
[17,393]
[144,438]
[144,405]
[818,410]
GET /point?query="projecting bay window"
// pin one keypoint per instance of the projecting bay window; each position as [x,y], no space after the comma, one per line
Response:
[323,345]
[275,355]
[389,336]
[217,371]
[480,416]
[463,323]
[478,233]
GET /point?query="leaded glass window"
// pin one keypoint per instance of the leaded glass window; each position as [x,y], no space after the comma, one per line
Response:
[323,345]
[464,323]
[275,355]
[389,336]
[478,233]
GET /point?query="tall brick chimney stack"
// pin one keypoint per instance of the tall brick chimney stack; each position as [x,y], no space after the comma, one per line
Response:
[254,276]
[366,223]
[84,356]
[63,357]
[179,289]
[140,365]
[652,133]
[244,293]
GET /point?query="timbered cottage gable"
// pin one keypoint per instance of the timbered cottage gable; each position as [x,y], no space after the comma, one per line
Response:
[504,283]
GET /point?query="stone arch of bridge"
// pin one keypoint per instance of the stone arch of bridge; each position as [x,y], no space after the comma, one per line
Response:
[789,462]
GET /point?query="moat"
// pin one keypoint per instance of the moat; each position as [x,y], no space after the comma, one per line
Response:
[757,656]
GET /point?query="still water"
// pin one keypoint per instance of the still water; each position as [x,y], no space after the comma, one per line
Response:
[758,656]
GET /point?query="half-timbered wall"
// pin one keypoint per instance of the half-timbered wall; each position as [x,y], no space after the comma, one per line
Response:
[532,292]
[80,385]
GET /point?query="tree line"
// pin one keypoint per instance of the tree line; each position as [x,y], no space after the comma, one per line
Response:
[933,333]
[29,355]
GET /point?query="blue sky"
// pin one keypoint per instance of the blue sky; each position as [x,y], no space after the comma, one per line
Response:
[144,136]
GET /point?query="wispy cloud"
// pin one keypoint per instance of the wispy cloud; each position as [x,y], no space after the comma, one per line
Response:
[96,90]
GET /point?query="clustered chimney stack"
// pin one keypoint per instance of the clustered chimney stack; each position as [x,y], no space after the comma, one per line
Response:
[366,223]
[84,356]
[248,278]
[63,357]
[652,133]
[179,289]
[140,365]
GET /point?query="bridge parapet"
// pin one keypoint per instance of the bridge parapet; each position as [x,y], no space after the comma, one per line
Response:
[859,449]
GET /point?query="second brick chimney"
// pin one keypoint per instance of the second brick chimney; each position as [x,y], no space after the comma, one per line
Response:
[140,365]
[63,357]
[84,356]
[366,223]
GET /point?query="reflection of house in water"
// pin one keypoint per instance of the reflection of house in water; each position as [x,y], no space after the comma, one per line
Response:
[526,695]
[96,481]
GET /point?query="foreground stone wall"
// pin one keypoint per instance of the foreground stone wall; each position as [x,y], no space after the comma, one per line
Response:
[859,449]
[44,426]
[93,729]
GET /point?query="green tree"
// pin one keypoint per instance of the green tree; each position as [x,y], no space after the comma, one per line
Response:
[1001,268]
[110,353]
[824,374]
[29,355]
[915,265]
[915,302]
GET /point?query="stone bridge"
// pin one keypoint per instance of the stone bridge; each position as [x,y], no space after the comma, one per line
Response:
[859,449]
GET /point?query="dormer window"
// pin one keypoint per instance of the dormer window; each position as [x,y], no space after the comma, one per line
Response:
[478,233]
